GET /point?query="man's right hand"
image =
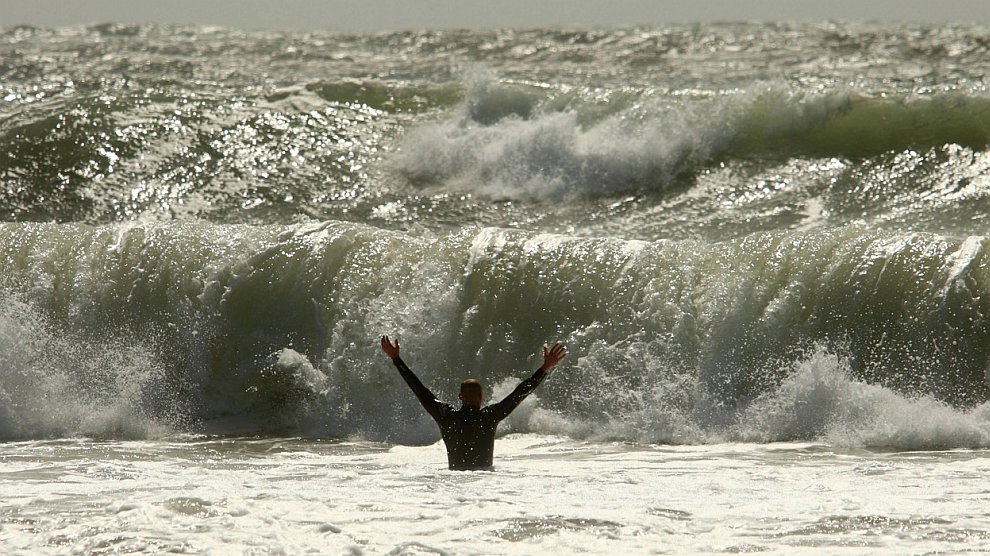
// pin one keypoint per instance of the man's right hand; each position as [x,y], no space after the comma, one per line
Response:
[390,349]
[552,356]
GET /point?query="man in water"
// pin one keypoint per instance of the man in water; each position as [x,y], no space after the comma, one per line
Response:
[469,432]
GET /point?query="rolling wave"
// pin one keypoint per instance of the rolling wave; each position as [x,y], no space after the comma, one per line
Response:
[122,155]
[133,330]
[509,142]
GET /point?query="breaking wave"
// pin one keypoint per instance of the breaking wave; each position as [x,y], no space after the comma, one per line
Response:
[513,141]
[859,337]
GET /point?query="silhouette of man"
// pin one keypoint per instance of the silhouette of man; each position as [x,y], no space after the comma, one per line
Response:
[469,432]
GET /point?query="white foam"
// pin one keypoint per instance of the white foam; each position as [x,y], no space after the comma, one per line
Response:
[524,152]
[543,152]
[547,494]
[821,400]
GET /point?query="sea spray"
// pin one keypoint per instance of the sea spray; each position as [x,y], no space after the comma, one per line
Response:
[821,399]
[55,383]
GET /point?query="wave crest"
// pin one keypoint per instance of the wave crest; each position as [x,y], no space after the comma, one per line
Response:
[506,141]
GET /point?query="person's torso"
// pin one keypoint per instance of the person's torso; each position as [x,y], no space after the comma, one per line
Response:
[469,435]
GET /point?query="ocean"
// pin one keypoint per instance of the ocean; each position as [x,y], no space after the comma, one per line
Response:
[764,245]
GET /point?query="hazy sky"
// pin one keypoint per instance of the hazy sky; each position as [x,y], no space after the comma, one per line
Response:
[371,15]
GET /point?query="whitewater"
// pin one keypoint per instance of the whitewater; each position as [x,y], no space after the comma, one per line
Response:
[764,246]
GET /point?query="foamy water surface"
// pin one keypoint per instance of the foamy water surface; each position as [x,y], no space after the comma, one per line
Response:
[547,494]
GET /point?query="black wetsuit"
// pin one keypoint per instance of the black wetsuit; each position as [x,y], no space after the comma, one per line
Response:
[468,432]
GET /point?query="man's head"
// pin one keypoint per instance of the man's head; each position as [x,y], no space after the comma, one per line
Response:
[471,393]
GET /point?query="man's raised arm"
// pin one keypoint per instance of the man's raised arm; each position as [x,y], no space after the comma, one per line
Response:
[430,402]
[551,357]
